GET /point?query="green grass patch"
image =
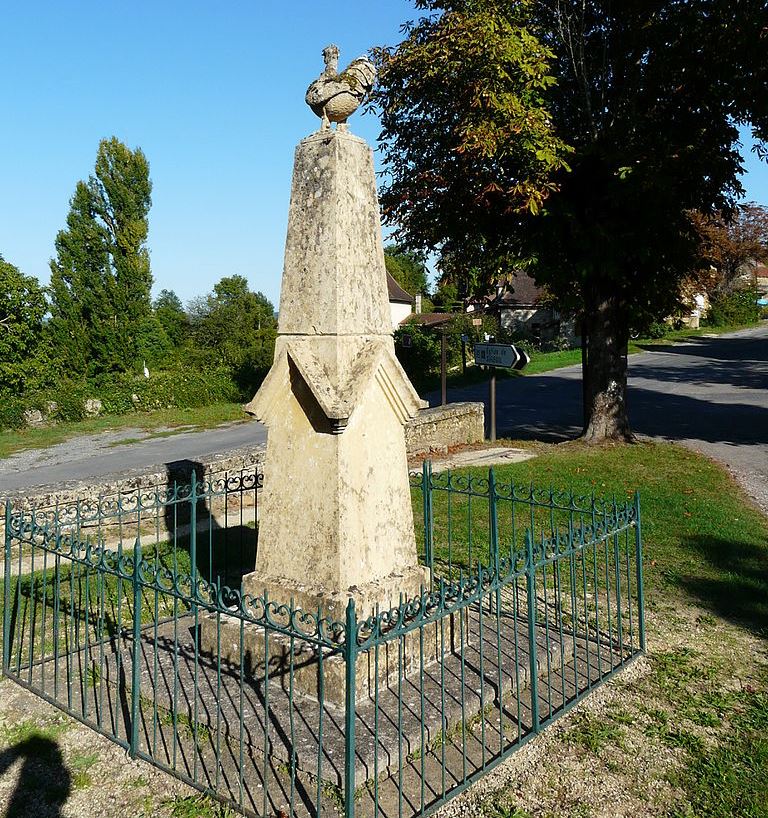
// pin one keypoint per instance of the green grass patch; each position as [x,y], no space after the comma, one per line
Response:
[700,536]
[203,417]
[198,806]
[594,732]
[80,764]
[30,730]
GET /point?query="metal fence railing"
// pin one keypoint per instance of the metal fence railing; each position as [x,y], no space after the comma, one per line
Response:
[128,613]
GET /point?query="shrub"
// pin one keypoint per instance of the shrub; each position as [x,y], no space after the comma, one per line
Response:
[11,411]
[735,307]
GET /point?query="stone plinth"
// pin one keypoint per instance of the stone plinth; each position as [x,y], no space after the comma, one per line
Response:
[336,520]
[396,658]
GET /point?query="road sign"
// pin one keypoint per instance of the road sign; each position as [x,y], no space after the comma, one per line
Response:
[502,355]
[524,359]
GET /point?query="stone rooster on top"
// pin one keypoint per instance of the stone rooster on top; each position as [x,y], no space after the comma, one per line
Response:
[335,96]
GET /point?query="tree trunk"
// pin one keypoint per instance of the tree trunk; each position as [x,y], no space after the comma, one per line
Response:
[605,374]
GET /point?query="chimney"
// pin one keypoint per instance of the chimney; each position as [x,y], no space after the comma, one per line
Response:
[418,304]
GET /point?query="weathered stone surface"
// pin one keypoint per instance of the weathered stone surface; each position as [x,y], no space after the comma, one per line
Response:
[93,407]
[335,519]
[335,97]
[333,248]
[441,427]
[33,417]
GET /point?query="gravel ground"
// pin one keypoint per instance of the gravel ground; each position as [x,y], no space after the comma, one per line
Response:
[76,448]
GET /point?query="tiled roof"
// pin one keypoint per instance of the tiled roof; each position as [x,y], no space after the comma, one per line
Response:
[522,291]
[428,319]
[397,293]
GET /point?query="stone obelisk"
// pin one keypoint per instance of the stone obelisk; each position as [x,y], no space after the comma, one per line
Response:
[335,518]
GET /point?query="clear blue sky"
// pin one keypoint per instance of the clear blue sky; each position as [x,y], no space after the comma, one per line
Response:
[214,95]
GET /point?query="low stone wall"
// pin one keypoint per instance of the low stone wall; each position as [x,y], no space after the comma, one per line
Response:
[432,430]
[232,462]
[437,429]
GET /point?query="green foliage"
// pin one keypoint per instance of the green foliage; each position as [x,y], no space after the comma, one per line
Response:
[101,279]
[407,268]
[170,313]
[464,122]
[183,388]
[236,328]
[421,360]
[735,307]
[24,356]
[471,102]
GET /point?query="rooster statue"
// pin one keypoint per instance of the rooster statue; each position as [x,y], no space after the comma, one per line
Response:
[335,96]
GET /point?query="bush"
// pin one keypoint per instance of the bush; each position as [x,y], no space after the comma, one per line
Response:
[736,307]
[122,393]
[182,388]
[11,411]
[421,360]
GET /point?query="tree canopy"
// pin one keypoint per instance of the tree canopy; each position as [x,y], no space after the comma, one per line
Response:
[732,243]
[575,138]
[239,326]
[407,268]
[101,319]
[22,309]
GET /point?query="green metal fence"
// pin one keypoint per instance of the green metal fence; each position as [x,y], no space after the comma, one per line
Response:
[128,613]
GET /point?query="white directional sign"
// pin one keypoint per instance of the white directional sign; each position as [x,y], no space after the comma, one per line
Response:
[502,355]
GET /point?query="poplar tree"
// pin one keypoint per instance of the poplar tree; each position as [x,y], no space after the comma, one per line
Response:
[101,316]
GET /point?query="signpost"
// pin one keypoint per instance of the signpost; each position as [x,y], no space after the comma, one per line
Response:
[505,356]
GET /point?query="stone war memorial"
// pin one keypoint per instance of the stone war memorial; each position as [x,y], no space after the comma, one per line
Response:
[327,634]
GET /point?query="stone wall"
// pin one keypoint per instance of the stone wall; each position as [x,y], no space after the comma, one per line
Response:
[437,429]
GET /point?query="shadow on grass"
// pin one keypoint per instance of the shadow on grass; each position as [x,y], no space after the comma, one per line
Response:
[734,583]
[44,783]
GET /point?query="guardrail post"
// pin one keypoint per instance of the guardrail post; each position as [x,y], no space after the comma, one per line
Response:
[350,657]
[7,590]
[136,668]
[639,561]
[530,581]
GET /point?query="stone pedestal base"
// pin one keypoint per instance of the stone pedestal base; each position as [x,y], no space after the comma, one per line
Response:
[320,673]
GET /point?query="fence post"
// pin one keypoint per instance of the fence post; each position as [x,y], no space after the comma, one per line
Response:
[426,488]
[350,656]
[493,529]
[639,560]
[136,669]
[530,581]
[7,590]
[493,521]
[193,532]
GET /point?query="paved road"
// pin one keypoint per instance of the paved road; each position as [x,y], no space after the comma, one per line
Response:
[710,394]
[96,456]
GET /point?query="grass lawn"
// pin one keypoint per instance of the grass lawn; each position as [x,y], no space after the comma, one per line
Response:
[684,732]
[171,421]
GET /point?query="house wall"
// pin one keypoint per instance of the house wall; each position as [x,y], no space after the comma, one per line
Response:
[399,312]
[528,319]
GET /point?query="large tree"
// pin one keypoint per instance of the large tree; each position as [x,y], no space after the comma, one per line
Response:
[648,94]
[237,327]
[22,309]
[733,243]
[101,318]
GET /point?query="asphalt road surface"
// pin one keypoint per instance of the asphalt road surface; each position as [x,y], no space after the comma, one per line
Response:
[708,393]
[97,456]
